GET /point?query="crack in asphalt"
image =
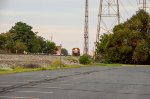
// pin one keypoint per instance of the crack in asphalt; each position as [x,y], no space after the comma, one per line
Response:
[33,83]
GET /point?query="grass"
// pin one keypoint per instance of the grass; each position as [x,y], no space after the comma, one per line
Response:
[19,69]
[55,66]
[3,71]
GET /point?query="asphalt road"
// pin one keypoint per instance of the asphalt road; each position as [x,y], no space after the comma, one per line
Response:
[80,83]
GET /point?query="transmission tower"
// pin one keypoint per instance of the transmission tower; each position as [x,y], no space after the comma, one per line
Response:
[108,17]
[86,35]
[144,4]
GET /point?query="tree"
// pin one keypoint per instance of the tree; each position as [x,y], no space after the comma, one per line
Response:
[3,40]
[34,45]
[141,52]
[21,37]
[9,44]
[23,33]
[50,47]
[42,43]
[129,42]
[19,47]
[64,51]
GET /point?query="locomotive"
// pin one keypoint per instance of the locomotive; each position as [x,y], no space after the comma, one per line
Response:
[75,52]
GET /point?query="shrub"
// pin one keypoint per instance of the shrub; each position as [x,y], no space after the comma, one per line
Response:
[56,63]
[85,59]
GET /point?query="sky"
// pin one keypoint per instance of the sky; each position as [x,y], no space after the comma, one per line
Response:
[61,20]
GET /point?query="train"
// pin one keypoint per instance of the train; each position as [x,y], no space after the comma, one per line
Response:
[75,52]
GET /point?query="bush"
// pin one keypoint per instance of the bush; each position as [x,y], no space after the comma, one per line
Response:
[56,63]
[85,59]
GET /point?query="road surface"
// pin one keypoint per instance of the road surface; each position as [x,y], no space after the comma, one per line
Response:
[79,83]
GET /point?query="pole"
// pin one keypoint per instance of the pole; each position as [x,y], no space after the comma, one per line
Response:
[144,4]
[118,12]
[60,55]
[86,34]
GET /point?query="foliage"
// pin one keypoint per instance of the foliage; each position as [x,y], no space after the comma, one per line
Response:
[19,47]
[2,41]
[51,47]
[18,69]
[21,38]
[141,53]
[85,59]
[56,62]
[129,42]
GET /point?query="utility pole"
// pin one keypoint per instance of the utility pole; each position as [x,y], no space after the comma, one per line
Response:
[86,35]
[60,56]
[108,17]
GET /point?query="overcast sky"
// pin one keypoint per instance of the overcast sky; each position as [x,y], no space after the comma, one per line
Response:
[62,19]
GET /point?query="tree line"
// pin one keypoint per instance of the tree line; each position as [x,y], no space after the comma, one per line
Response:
[129,43]
[21,38]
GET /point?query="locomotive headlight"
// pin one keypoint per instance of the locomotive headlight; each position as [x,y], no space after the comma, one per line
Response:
[76,50]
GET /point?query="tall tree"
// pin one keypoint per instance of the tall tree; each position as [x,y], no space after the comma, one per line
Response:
[129,43]
[3,40]
[50,47]
[23,32]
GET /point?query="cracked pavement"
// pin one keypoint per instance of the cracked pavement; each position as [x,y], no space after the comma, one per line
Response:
[80,83]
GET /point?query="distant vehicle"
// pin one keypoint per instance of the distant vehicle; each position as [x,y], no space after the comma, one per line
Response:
[75,52]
